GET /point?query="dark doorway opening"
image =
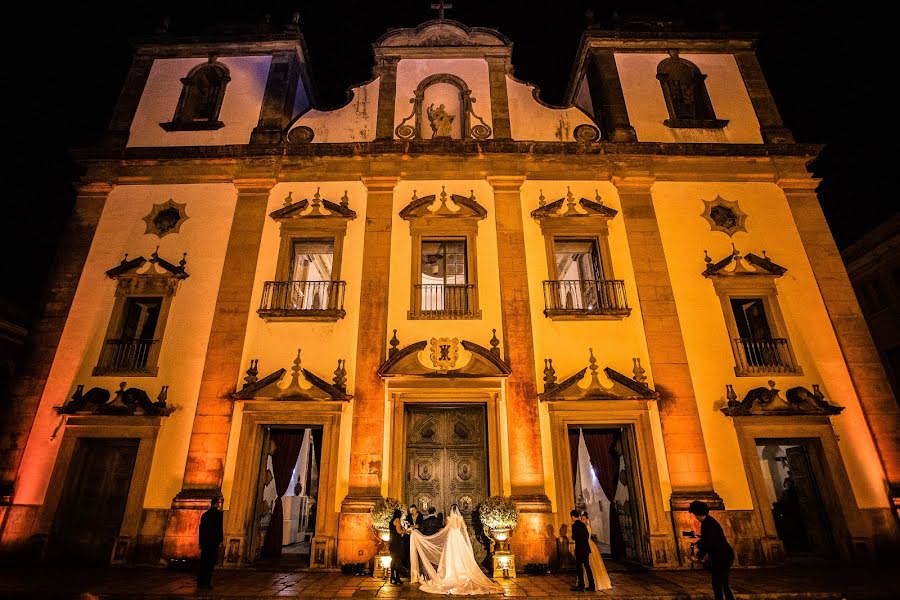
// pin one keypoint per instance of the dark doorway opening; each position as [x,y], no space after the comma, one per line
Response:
[604,474]
[287,495]
[794,484]
[93,501]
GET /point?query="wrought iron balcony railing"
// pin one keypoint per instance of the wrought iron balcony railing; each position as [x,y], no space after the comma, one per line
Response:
[763,356]
[303,299]
[443,301]
[127,357]
[587,297]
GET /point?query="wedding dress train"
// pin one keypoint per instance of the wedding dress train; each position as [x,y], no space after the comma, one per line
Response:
[457,573]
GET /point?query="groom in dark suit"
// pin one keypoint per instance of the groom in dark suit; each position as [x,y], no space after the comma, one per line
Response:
[582,553]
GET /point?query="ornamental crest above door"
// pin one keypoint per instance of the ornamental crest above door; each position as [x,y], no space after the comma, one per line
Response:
[444,353]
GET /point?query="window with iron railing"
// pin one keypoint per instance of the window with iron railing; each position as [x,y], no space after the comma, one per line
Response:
[585,297]
[135,346]
[756,351]
[443,290]
[309,292]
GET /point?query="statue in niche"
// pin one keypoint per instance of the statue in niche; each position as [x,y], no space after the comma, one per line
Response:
[441,121]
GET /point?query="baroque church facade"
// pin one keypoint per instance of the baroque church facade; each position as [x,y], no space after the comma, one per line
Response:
[445,290]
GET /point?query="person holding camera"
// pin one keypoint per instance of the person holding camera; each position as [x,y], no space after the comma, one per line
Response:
[714,548]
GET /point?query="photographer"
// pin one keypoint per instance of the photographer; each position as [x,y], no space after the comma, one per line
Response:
[713,545]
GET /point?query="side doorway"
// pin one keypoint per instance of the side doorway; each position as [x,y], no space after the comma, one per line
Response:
[93,501]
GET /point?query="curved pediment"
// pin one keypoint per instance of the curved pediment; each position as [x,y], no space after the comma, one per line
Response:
[442,32]
[763,401]
[444,357]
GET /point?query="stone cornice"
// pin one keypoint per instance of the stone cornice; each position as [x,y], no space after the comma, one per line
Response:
[462,161]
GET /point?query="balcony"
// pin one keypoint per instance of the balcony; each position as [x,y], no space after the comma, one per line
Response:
[302,301]
[128,357]
[585,299]
[444,301]
[762,356]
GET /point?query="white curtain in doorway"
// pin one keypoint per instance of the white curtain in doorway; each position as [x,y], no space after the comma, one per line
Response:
[588,487]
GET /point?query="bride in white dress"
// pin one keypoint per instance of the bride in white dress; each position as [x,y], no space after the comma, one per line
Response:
[457,573]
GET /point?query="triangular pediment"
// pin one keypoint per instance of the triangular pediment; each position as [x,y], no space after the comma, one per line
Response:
[317,208]
[619,386]
[572,208]
[135,267]
[453,206]
[743,266]
[304,385]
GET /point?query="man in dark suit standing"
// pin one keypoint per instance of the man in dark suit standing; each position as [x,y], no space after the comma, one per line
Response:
[713,544]
[211,536]
[582,553]
[430,525]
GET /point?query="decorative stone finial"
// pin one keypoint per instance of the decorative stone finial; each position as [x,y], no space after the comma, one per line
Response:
[155,256]
[395,345]
[638,371]
[316,199]
[549,373]
[817,393]
[443,195]
[541,200]
[570,199]
[706,257]
[414,196]
[495,343]
[771,384]
[183,260]
[340,375]
[252,373]
[472,196]
[163,395]
[288,200]
[597,197]
[592,362]
[730,394]
[295,372]
[345,201]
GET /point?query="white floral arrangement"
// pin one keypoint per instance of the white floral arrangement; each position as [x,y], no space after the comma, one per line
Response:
[384,510]
[498,512]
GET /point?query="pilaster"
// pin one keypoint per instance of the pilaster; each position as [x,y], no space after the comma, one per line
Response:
[771,127]
[606,90]
[355,539]
[526,468]
[387,94]
[212,420]
[497,70]
[29,385]
[866,370]
[278,100]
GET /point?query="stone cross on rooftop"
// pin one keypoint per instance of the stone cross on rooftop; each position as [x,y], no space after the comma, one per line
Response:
[440,7]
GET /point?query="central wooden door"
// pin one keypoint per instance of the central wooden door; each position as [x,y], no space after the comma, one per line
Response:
[93,500]
[446,457]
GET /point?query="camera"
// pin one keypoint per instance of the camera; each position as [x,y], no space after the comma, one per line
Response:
[689,534]
[693,548]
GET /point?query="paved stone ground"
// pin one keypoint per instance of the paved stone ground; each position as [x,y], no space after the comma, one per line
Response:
[806,582]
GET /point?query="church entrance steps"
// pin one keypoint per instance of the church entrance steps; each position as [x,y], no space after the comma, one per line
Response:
[824,581]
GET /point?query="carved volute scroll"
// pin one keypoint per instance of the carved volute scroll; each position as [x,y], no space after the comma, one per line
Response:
[763,401]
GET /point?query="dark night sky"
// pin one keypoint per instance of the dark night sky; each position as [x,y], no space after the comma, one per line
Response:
[824,68]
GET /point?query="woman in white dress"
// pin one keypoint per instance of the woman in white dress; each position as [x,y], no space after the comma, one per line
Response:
[457,573]
[601,577]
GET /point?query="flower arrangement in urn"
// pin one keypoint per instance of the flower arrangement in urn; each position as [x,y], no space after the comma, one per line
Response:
[499,516]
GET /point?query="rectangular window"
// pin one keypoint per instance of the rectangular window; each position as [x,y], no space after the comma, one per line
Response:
[312,260]
[577,260]
[132,348]
[750,318]
[444,276]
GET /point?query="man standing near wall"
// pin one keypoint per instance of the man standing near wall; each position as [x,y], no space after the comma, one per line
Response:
[211,536]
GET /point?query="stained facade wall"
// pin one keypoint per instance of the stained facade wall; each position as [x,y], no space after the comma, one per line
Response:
[376,185]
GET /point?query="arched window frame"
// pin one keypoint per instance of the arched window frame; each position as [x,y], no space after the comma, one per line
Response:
[183,120]
[704,115]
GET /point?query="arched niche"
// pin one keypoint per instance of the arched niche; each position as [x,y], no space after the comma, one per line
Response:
[442,109]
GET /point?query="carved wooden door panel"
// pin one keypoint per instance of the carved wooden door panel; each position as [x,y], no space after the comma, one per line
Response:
[93,501]
[446,457]
[815,520]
